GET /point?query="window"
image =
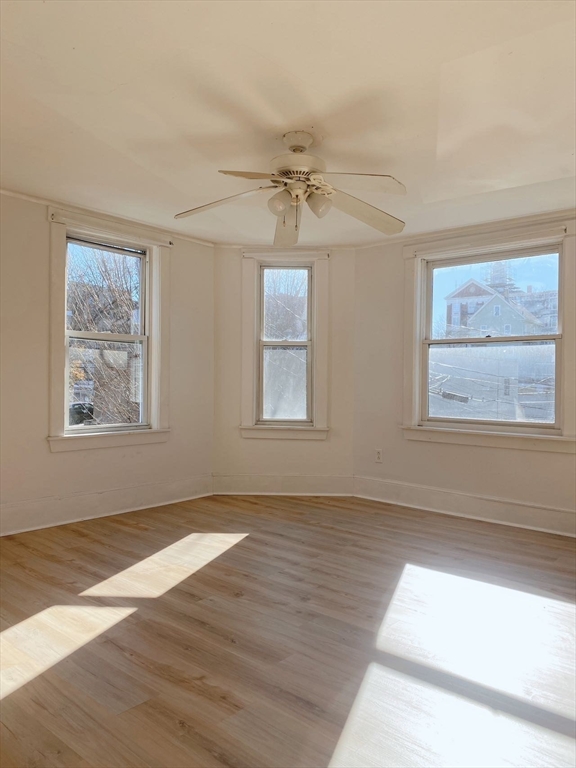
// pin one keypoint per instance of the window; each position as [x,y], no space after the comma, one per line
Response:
[106,337]
[473,377]
[285,344]
[109,333]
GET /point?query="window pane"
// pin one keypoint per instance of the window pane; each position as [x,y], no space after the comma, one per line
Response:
[285,304]
[103,290]
[285,395]
[500,381]
[512,297]
[104,382]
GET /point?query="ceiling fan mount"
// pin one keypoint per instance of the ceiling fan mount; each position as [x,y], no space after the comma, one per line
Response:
[298,141]
[300,178]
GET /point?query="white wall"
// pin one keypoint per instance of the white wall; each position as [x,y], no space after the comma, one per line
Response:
[365,405]
[40,488]
[517,486]
[288,466]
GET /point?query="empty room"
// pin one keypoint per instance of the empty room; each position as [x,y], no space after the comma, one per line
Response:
[288,378]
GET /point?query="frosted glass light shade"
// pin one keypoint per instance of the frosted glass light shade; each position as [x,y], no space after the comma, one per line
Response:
[280,202]
[319,204]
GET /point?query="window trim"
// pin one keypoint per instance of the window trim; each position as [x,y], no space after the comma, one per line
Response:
[251,426]
[65,225]
[558,437]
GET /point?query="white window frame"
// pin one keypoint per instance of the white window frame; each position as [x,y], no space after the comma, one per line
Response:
[65,225]
[427,342]
[558,437]
[308,343]
[142,338]
[252,425]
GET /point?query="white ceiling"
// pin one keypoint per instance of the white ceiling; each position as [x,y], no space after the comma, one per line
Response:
[131,107]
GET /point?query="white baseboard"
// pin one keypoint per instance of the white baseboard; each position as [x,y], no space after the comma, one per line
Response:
[283,485]
[47,512]
[488,508]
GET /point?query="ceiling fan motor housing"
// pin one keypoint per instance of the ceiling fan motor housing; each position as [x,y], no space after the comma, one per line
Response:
[294,166]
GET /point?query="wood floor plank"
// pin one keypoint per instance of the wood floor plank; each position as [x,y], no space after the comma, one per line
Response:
[27,743]
[285,632]
[303,742]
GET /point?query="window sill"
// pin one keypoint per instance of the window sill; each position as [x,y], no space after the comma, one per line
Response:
[269,432]
[107,439]
[527,442]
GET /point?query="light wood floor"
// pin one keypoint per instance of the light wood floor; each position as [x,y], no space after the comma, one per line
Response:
[278,632]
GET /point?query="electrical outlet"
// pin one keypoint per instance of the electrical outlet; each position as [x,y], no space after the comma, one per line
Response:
[378,455]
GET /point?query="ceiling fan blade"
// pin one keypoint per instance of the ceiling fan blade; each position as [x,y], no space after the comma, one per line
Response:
[367,213]
[252,175]
[206,207]
[287,228]
[370,182]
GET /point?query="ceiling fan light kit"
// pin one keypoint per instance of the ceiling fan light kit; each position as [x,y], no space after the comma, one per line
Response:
[300,178]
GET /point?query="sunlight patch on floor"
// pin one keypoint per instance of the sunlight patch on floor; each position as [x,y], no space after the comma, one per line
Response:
[34,645]
[510,641]
[38,643]
[398,720]
[163,570]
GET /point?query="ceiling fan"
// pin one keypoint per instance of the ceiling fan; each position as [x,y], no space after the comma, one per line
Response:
[299,177]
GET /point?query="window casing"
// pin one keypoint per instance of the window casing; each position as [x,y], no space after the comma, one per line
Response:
[106,372]
[534,235]
[293,407]
[151,250]
[309,335]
